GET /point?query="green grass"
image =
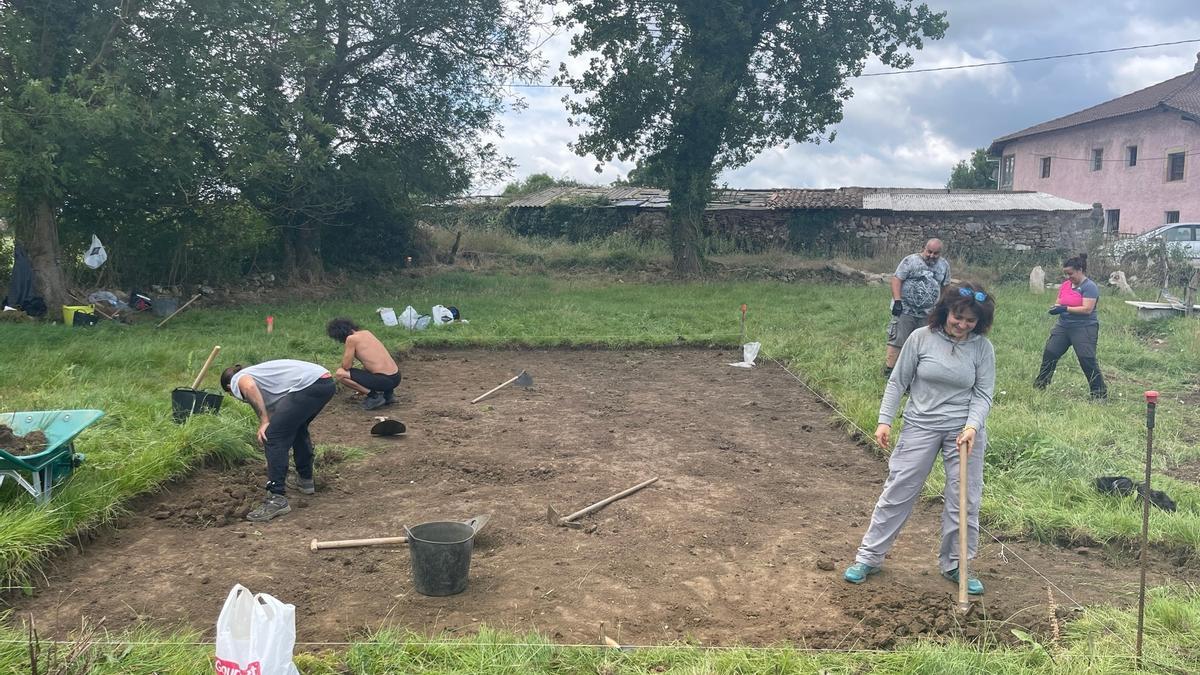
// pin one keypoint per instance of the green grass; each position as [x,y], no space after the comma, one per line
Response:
[1099,641]
[1045,447]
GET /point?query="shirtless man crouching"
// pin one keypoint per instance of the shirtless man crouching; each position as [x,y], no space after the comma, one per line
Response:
[379,375]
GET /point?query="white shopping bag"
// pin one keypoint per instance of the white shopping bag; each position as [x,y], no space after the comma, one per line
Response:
[96,254]
[413,320]
[388,315]
[749,353]
[408,318]
[441,315]
[255,635]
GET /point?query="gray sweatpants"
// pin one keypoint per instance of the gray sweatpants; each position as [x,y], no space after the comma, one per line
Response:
[908,467]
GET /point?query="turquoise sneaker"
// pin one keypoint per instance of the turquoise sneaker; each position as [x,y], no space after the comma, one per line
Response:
[858,572]
[974,586]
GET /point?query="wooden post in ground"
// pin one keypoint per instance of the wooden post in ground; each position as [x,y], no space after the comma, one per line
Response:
[1189,298]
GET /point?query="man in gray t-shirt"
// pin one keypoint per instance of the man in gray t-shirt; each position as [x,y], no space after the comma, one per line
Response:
[916,285]
[287,395]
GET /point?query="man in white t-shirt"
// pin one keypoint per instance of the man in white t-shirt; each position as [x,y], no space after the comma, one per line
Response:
[287,395]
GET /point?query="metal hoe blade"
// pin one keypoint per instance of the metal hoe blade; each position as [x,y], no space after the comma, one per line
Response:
[524,379]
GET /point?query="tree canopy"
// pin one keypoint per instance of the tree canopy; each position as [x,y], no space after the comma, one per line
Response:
[977,174]
[692,89]
[209,130]
[535,182]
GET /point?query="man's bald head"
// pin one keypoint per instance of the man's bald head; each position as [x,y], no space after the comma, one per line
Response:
[932,251]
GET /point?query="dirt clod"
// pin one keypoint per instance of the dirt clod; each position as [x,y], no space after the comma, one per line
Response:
[21,446]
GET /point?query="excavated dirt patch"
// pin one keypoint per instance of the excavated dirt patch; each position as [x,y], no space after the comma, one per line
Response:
[760,505]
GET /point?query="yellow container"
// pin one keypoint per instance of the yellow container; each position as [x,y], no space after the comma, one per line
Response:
[70,310]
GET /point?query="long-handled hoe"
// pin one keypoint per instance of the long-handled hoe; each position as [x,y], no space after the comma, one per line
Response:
[964,604]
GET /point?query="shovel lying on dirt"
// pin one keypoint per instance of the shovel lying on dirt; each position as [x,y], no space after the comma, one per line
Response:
[476,524]
[191,401]
[388,427]
[523,379]
[569,521]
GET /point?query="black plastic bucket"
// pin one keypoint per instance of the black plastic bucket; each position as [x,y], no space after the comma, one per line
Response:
[441,557]
[188,402]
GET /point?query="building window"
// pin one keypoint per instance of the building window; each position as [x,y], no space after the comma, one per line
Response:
[1172,217]
[1175,166]
[1112,220]
[1097,159]
[1131,154]
[1007,164]
[1045,167]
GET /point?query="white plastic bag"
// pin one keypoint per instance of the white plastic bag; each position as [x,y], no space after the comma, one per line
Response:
[408,318]
[96,254]
[388,315]
[749,353]
[441,315]
[413,320]
[255,635]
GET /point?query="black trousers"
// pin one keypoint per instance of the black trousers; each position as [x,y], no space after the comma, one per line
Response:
[374,381]
[289,430]
[1083,340]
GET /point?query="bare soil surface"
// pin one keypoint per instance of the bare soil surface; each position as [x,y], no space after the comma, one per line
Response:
[760,505]
[19,446]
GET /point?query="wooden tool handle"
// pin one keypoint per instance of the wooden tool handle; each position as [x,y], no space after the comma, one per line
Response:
[604,502]
[483,396]
[963,526]
[204,369]
[315,545]
[160,323]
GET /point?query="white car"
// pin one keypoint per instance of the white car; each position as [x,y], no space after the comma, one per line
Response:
[1184,237]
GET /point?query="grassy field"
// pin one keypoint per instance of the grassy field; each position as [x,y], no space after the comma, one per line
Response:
[1097,642]
[1045,447]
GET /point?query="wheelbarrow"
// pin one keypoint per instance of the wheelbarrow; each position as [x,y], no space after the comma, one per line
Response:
[40,473]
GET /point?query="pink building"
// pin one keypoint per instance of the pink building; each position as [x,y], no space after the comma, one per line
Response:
[1137,155]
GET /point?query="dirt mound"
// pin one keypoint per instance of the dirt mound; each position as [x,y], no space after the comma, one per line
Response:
[232,493]
[30,444]
[887,616]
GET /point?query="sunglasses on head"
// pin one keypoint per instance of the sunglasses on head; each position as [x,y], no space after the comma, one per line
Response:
[980,296]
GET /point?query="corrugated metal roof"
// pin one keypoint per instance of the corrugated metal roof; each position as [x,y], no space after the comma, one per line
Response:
[840,198]
[1181,93]
[966,200]
[884,199]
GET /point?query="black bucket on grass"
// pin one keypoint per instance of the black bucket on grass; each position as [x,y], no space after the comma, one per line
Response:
[187,402]
[441,557]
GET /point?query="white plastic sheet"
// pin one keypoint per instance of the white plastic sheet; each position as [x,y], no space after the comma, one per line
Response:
[749,353]
[255,635]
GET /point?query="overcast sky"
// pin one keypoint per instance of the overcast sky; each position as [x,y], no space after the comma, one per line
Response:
[909,130]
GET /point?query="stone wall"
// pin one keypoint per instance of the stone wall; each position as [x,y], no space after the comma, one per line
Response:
[863,232]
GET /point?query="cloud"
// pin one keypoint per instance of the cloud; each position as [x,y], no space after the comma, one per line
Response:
[910,130]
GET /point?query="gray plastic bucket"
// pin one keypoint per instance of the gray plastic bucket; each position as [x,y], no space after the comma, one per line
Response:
[441,557]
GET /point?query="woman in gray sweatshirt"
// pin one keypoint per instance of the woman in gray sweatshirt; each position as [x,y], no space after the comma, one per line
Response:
[949,371]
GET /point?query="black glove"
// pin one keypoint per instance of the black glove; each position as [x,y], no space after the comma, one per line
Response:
[1057,309]
[897,308]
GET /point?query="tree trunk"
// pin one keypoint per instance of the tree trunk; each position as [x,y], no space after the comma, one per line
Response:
[689,198]
[302,253]
[36,229]
[720,53]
